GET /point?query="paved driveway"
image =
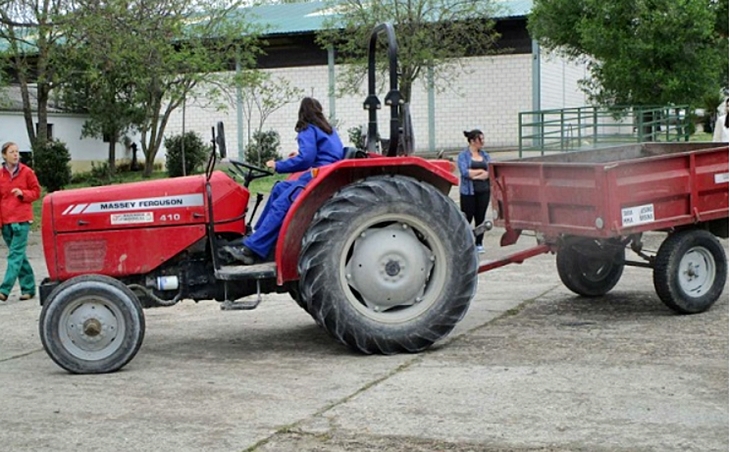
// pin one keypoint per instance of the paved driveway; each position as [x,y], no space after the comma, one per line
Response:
[531,367]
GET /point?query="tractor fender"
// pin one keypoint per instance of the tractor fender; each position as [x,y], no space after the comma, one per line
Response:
[330,178]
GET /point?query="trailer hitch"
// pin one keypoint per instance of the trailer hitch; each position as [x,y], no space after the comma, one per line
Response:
[484,227]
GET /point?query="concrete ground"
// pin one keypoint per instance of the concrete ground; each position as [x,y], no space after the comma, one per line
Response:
[531,367]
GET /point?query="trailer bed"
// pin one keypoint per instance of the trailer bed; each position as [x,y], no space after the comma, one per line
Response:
[612,192]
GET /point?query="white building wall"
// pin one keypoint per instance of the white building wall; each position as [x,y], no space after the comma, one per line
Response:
[559,83]
[66,128]
[488,96]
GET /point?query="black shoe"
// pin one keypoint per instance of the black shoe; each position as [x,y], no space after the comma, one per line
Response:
[240,253]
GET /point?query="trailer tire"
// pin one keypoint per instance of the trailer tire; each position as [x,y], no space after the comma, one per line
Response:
[388,265]
[690,271]
[588,267]
[92,324]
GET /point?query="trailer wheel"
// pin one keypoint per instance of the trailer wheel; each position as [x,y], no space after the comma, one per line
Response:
[388,265]
[588,267]
[690,271]
[92,324]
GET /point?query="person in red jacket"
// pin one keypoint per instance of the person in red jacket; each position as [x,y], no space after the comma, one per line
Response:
[18,189]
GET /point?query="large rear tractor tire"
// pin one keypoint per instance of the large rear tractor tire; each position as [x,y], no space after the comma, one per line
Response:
[295,294]
[92,324]
[590,268]
[388,265]
[690,271]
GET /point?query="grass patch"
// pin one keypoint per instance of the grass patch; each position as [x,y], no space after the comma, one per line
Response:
[265,184]
[701,136]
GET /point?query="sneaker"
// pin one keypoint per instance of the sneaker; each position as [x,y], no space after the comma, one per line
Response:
[26,296]
[240,253]
[3,297]
[480,249]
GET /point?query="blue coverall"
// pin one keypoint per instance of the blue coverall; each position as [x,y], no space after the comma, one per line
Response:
[316,149]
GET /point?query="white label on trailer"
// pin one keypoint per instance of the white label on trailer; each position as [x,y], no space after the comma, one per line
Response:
[130,218]
[721,178]
[632,216]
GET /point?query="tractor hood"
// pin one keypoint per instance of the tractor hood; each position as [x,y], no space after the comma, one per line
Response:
[139,204]
[128,205]
[128,229]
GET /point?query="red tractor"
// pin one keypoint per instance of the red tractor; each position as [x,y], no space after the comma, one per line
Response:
[373,249]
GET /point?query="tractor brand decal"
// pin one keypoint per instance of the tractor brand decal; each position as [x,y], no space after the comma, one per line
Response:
[721,178]
[130,218]
[632,216]
[165,202]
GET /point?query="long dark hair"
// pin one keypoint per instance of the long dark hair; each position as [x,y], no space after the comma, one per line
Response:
[310,112]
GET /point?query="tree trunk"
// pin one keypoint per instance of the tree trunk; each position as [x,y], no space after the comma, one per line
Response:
[112,155]
[149,162]
[27,109]
[113,138]
[43,95]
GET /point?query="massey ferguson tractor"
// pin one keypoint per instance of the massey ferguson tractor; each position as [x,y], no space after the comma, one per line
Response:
[373,249]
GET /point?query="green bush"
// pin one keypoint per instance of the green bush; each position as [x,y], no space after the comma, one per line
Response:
[196,153]
[51,164]
[358,137]
[99,175]
[263,147]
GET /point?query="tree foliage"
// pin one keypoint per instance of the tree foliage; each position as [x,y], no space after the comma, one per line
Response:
[97,80]
[640,52]
[32,52]
[430,34]
[160,54]
[262,95]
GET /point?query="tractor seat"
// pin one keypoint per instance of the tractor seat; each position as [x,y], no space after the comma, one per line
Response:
[355,153]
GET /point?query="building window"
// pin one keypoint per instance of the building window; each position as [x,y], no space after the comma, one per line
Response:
[49,130]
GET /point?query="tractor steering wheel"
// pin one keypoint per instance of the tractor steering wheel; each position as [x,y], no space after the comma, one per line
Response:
[254,172]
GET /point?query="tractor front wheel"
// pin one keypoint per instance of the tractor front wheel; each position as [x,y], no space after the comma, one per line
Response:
[92,324]
[388,265]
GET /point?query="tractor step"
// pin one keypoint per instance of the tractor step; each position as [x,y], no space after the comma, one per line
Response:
[264,270]
[230,305]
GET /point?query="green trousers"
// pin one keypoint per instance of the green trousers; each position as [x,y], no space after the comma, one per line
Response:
[16,237]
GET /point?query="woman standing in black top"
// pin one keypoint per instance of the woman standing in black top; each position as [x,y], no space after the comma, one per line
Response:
[474,188]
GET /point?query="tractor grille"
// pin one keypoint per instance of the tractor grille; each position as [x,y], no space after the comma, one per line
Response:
[85,256]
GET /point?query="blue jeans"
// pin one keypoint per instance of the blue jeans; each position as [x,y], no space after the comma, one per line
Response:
[15,236]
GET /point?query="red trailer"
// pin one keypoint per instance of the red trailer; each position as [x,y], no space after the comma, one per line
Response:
[589,206]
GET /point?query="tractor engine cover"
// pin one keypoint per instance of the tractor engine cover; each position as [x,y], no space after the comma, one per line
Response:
[131,229]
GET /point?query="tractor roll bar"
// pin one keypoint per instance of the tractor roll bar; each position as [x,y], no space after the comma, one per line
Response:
[393,98]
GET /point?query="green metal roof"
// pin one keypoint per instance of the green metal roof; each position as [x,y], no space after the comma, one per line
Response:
[307,17]
[310,16]
[291,18]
